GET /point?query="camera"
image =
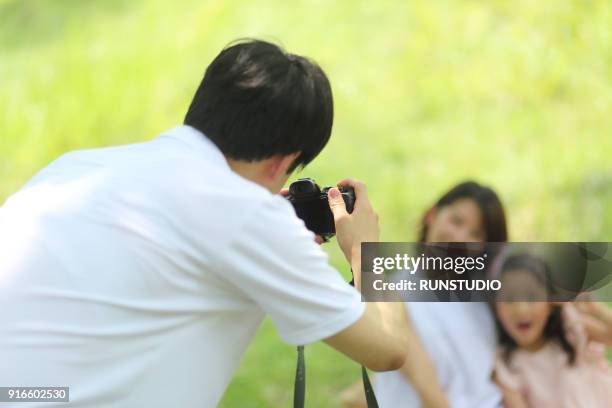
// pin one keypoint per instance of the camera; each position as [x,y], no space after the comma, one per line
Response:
[312,206]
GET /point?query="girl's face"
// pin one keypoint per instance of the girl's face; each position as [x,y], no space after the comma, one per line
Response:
[520,314]
[459,221]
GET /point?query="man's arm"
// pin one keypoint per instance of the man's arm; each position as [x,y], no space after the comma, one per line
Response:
[384,338]
[383,322]
[380,339]
[377,340]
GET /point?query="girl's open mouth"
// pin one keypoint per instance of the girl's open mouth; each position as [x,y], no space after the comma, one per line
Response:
[523,326]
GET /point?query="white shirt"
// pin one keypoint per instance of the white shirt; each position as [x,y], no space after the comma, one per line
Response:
[460,340]
[137,275]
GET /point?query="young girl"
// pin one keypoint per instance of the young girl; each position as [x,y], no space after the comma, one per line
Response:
[545,358]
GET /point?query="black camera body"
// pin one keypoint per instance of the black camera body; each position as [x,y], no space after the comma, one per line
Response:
[312,206]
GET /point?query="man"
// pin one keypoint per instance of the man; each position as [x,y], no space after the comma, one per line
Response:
[137,275]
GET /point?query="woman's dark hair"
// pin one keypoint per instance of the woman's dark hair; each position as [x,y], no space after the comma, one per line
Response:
[492,211]
[256,101]
[554,329]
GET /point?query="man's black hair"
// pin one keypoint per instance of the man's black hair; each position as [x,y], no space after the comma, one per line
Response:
[257,101]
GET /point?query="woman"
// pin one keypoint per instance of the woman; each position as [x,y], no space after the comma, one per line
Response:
[459,338]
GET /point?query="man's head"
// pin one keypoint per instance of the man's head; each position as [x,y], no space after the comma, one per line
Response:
[268,111]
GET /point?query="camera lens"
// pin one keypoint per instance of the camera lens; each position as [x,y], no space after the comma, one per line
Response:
[303,187]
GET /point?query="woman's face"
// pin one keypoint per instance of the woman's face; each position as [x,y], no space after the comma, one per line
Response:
[459,221]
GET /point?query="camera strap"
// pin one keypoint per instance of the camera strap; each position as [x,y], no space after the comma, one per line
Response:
[299,391]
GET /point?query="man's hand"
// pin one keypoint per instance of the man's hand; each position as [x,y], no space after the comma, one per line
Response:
[353,229]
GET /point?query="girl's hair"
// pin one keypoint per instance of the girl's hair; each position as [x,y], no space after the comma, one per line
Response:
[554,329]
[492,211]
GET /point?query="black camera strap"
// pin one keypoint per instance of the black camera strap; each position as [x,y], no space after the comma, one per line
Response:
[367,387]
[299,391]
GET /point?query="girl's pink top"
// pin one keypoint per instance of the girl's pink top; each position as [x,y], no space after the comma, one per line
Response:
[545,379]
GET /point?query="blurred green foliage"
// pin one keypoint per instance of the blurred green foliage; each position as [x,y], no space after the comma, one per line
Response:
[515,94]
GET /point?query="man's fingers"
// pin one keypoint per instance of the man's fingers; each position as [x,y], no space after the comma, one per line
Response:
[284,192]
[359,186]
[336,203]
[361,191]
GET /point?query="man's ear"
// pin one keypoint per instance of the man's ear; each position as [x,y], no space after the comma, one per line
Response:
[280,164]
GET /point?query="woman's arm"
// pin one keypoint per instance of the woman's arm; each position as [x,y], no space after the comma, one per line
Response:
[597,320]
[420,372]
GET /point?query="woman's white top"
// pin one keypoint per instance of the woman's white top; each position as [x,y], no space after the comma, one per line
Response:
[461,341]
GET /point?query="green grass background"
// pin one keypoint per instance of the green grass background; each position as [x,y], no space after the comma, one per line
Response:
[515,94]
